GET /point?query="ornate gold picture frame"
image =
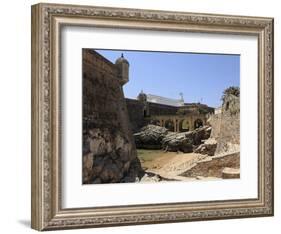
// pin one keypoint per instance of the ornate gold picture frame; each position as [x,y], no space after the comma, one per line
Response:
[47,210]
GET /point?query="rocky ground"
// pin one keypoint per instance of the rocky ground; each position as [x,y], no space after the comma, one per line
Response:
[111,154]
[167,156]
[167,166]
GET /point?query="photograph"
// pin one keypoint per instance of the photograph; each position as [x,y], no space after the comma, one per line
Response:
[157,116]
[145,116]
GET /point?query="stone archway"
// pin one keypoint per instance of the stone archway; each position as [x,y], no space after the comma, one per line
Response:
[169,124]
[184,125]
[198,123]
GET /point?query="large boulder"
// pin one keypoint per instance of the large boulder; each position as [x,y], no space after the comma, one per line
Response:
[200,134]
[150,137]
[208,147]
[155,137]
[185,141]
[178,142]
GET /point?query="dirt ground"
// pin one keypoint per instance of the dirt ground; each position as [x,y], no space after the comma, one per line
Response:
[167,164]
[186,166]
[152,159]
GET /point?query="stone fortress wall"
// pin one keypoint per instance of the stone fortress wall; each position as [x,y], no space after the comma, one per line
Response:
[95,67]
[109,151]
[136,115]
[226,125]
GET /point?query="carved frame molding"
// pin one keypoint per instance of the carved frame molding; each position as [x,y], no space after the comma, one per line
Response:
[47,19]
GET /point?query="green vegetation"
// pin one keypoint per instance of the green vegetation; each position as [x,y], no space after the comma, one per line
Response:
[234,90]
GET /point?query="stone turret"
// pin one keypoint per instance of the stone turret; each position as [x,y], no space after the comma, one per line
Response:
[142,97]
[122,65]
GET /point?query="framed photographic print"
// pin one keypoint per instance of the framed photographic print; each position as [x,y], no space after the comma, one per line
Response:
[144,116]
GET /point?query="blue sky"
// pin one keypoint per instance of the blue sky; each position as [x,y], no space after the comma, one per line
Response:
[200,77]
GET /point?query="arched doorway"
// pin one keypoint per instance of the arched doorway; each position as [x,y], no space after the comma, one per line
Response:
[184,125]
[198,123]
[144,113]
[169,124]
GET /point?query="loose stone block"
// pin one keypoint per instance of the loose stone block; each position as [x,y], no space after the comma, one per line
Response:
[230,173]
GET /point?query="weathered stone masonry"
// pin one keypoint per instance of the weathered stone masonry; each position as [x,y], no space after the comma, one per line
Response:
[109,152]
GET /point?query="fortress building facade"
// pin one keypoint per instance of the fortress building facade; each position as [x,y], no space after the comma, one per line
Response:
[173,114]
